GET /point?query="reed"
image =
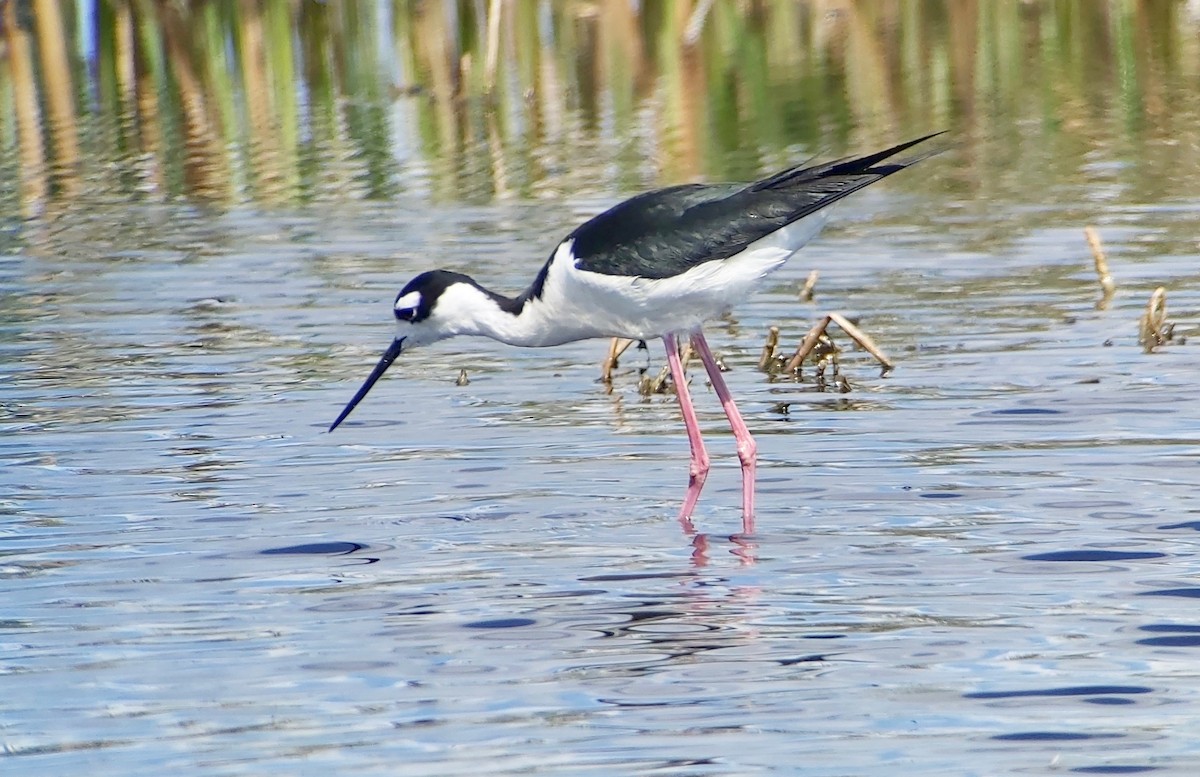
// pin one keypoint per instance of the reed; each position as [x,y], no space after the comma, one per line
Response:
[616,347]
[1100,261]
[818,335]
[1154,329]
[767,357]
[809,289]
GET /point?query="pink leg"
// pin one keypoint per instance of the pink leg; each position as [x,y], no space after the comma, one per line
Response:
[746,447]
[698,471]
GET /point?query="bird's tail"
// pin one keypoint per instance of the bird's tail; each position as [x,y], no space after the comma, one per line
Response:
[850,167]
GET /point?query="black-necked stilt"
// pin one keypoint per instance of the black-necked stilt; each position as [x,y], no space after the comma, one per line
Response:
[657,265]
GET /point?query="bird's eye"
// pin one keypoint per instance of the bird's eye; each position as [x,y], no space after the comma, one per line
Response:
[406,314]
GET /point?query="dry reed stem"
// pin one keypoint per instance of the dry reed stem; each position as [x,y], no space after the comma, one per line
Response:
[616,347]
[1153,321]
[610,362]
[685,354]
[810,285]
[857,335]
[863,339]
[768,351]
[807,344]
[657,385]
[1107,286]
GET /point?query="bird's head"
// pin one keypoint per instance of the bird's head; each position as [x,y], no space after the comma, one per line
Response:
[423,316]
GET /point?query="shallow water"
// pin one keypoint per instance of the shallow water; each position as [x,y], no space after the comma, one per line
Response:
[984,562]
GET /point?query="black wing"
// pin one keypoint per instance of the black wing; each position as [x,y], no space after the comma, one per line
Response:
[667,232]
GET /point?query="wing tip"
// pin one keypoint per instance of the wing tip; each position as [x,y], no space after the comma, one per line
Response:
[861,165]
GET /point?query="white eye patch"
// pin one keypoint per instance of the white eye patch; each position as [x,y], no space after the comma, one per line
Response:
[409,301]
[407,306]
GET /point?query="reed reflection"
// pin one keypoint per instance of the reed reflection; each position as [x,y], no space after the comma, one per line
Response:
[278,102]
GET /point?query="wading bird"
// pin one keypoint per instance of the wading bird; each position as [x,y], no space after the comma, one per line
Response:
[657,265]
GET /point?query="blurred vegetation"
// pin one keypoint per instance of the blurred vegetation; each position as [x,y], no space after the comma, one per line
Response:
[281,102]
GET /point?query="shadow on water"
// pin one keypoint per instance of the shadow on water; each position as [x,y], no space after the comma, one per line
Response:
[982,562]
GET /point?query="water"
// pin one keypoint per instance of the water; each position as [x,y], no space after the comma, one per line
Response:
[983,563]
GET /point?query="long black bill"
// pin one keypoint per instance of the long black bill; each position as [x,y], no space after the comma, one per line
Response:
[385,361]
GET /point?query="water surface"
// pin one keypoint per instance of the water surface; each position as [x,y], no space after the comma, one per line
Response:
[983,563]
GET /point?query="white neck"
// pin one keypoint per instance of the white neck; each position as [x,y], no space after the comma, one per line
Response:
[464,309]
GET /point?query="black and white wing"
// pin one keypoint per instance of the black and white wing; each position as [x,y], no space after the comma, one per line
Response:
[667,232]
